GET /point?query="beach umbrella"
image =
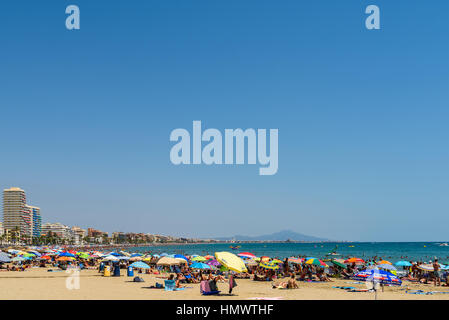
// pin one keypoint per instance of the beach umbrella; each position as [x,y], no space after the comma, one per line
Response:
[28,255]
[200,265]
[209,257]
[17,259]
[136,255]
[338,264]
[384,262]
[199,259]
[231,261]
[164,254]
[378,276]
[180,256]
[386,266]
[264,258]
[115,254]
[316,262]
[295,260]
[277,261]
[84,255]
[246,255]
[66,254]
[269,265]
[34,252]
[140,265]
[156,256]
[4,258]
[251,263]
[355,260]
[403,264]
[46,257]
[426,267]
[110,258]
[65,259]
[167,261]
[123,257]
[213,262]
[137,258]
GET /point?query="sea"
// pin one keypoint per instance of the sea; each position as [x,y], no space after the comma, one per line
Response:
[391,251]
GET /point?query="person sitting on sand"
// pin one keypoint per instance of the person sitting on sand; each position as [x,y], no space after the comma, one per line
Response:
[291,284]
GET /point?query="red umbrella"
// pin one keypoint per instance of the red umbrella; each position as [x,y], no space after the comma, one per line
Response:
[355,260]
[246,255]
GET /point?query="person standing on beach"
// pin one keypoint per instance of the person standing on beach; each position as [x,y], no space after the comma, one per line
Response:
[436,272]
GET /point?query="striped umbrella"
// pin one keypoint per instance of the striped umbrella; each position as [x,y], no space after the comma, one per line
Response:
[248,255]
[295,260]
[316,262]
[378,276]
[269,265]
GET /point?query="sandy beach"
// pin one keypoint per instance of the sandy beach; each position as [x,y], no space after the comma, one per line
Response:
[38,283]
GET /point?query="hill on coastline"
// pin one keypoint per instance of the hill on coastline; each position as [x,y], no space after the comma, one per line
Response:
[277,236]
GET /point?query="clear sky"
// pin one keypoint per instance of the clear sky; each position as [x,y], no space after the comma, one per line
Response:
[362,115]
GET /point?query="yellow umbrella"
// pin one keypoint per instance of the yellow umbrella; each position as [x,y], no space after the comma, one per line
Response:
[231,261]
[199,259]
[276,261]
[384,262]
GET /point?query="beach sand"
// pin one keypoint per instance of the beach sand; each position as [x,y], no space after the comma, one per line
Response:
[37,283]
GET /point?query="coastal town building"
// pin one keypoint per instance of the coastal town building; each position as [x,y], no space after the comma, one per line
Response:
[56,229]
[17,216]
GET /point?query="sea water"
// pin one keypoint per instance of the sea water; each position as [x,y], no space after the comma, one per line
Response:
[392,251]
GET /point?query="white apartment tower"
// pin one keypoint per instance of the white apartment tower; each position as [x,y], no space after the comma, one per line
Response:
[16,214]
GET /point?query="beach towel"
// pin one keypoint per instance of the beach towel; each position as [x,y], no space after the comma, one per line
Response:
[204,286]
[169,285]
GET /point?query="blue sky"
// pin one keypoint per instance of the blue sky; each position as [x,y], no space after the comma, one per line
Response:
[362,115]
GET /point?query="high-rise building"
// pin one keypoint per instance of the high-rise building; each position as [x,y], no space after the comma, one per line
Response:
[16,214]
[37,221]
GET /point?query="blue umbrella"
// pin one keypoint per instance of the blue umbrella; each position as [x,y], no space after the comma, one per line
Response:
[164,254]
[66,254]
[140,265]
[200,265]
[115,254]
[403,264]
[136,255]
[180,256]
[378,276]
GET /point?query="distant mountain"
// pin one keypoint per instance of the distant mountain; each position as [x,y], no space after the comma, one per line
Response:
[278,236]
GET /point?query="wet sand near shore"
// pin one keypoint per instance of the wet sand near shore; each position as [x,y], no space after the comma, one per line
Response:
[38,283]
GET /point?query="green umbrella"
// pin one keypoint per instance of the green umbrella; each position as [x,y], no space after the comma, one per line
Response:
[339,264]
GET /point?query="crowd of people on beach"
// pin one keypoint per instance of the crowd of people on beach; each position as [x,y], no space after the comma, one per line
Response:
[283,274]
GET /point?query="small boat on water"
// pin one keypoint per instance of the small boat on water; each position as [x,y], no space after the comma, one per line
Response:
[444,244]
[334,252]
[234,247]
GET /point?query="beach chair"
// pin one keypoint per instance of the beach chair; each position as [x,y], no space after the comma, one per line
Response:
[205,289]
[169,285]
